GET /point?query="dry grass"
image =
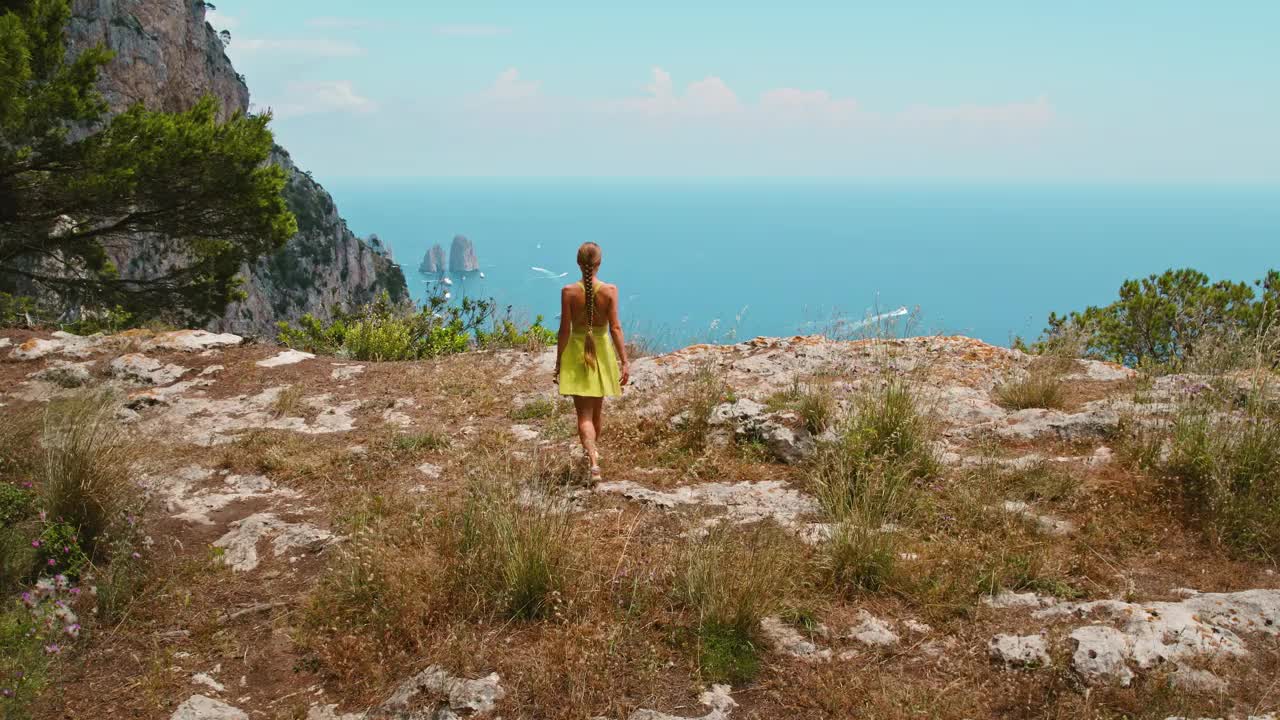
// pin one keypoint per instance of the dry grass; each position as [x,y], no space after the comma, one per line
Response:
[508,548]
[85,477]
[1225,466]
[289,402]
[691,400]
[813,402]
[730,581]
[1040,388]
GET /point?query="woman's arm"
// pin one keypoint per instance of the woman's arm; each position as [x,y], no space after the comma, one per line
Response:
[619,342]
[562,338]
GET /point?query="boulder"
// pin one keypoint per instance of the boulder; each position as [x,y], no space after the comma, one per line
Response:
[191,341]
[65,374]
[200,707]
[288,357]
[782,433]
[240,544]
[1019,651]
[464,695]
[139,368]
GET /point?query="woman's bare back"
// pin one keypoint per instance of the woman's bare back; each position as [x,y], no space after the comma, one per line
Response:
[575,297]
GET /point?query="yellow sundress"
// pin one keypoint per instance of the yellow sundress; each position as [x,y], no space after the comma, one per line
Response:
[577,378]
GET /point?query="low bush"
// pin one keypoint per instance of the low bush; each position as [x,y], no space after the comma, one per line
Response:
[385,331]
[1165,321]
[541,407]
[424,441]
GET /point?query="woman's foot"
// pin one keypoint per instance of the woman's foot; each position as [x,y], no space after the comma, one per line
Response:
[595,474]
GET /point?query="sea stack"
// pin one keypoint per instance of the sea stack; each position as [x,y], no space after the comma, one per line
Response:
[433,262]
[462,256]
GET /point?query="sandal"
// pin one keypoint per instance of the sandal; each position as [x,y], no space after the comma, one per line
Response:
[595,474]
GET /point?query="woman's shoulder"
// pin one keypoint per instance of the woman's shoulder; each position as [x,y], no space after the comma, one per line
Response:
[606,287]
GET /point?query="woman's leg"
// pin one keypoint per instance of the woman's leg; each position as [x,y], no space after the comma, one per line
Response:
[586,426]
[597,416]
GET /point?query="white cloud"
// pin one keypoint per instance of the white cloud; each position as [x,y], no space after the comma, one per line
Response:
[706,97]
[311,47]
[471,30]
[312,98]
[220,21]
[793,106]
[509,86]
[712,100]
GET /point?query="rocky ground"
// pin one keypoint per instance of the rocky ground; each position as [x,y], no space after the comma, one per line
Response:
[258,457]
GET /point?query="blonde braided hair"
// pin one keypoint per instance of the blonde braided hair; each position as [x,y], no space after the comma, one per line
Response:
[589,261]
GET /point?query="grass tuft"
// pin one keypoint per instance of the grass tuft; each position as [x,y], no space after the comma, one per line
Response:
[1226,468]
[509,552]
[813,402]
[85,479]
[425,441]
[731,580]
[1040,388]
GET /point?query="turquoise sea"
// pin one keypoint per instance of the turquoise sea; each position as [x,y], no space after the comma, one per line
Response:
[719,259]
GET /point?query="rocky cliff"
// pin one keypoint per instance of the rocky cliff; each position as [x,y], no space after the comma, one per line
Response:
[462,255]
[433,263]
[167,57]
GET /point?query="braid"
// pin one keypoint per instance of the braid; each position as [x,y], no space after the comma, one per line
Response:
[589,344]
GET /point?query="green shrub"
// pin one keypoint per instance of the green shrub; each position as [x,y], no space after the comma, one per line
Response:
[859,555]
[16,504]
[727,653]
[23,661]
[58,551]
[507,333]
[425,441]
[1162,320]
[17,310]
[386,331]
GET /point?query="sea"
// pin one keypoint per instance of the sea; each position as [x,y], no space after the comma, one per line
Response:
[727,260]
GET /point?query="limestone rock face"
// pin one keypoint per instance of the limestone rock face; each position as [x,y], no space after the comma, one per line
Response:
[322,267]
[168,57]
[462,256]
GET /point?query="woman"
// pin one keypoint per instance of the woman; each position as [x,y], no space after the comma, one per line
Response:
[591,360]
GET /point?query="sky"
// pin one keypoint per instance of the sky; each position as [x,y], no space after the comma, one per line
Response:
[984,90]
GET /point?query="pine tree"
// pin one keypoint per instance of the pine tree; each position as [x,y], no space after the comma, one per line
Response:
[182,186]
